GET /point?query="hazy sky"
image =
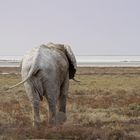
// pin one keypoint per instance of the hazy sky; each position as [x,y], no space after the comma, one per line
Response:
[91,27]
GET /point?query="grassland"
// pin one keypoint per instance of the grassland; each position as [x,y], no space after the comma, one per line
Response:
[105,105]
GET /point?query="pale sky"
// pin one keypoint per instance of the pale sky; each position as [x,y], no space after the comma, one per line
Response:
[90,27]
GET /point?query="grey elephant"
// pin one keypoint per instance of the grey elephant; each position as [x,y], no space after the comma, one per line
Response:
[46,71]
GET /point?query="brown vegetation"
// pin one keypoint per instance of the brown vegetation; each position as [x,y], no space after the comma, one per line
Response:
[105,105]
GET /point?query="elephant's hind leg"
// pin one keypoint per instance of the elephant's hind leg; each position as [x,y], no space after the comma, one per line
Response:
[51,95]
[62,100]
[36,114]
[63,95]
[35,101]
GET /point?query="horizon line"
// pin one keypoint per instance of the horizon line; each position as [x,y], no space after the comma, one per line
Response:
[91,55]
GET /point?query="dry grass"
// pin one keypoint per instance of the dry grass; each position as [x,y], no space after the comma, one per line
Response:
[105,105]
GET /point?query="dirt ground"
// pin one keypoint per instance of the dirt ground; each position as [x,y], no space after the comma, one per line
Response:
[105,105]
[11,70]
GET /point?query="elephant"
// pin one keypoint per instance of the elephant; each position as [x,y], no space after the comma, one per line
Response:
[45,72]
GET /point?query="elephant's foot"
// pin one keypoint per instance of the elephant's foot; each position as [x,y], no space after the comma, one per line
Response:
[61,118]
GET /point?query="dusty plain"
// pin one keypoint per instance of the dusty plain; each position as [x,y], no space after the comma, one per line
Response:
[105,105]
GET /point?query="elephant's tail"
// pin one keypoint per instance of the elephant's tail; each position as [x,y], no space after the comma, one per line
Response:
[33,70]
[20,83]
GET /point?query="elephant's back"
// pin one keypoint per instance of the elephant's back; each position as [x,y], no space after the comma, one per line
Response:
[53,61]
[53,58]
[48,60]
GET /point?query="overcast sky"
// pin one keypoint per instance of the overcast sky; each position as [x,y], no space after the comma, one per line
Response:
[91,27]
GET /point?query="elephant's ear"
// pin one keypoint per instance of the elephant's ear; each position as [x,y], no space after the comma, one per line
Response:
[72,61]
